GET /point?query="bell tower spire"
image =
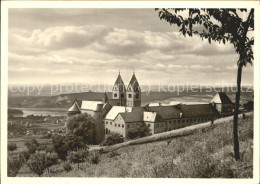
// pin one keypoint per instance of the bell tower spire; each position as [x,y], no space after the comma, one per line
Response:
[119,91]
[133,92]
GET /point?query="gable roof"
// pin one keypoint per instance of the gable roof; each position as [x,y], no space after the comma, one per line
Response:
[136,115]
[221,98]
[92,105]
[74,107]
[134,84]
[199,110]
[165,112]
[152,117]
[115,110]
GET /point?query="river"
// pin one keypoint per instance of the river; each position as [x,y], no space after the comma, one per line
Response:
[42,111]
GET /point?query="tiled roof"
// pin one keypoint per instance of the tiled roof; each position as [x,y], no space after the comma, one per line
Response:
[152,117]
[166,112]
[136,115]
[221,98]
[199,110]
[115,110]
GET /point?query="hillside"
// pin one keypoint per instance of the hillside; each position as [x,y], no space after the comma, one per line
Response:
[206,153]
[65,100]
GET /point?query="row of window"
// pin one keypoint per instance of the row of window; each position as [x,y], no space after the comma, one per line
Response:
[188,120]
[118,125]
[129,95]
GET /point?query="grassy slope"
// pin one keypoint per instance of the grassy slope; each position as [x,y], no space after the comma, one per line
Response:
[205,153]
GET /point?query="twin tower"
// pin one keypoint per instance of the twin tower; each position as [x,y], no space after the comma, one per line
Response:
[130,96]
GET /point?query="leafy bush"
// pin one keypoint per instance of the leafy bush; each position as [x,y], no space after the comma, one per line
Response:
[78,156]
[249,106]
[32,146]
[37,162]
[82,125]
[12,147]
[25,155]
[70,142]
[51,159]
[67,167]
[113,138]
[15,162]
[142,130]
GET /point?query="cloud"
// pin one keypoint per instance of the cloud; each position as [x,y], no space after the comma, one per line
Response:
[54,44]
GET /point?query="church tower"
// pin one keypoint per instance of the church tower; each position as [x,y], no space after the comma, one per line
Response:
[119,91]
[133,98]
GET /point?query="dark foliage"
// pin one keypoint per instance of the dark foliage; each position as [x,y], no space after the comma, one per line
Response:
[112,138]
[37,162]
[32,146]
[78,156]
[16,129]
[142,130]
[63,144]
[67,167]
[12,147]
[15,162]
[249,106]
[82,125]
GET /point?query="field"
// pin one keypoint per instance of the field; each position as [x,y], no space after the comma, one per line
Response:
[37,130]
[205,153]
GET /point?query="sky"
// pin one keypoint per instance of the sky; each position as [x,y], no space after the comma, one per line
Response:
[91,45]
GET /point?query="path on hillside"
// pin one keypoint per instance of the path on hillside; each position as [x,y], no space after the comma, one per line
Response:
[166,135]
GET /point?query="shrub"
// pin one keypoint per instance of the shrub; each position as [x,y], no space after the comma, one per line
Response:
[37,162]
[51,159]
[67,167]
[70,142]
[249,106]
[142,130]
[32,146]
[15,162]
[78,156]
[25,155]
[12,147]
[82,125]
[113,138]
[94,158]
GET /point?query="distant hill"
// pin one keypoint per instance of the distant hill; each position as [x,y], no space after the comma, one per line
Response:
[65,100]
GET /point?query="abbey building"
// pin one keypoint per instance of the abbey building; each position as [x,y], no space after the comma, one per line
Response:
[123,111]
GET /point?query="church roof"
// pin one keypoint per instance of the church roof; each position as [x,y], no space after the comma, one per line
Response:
[115,110]
[199,110]
[74,107]
[133,84]
[221,98]
[119,84]
[92,105]
[165,112]
[136,115]
[152,117]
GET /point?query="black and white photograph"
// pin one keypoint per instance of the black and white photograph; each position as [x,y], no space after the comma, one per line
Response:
[130,92]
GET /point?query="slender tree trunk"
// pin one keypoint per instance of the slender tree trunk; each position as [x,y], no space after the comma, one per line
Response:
[235,124]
